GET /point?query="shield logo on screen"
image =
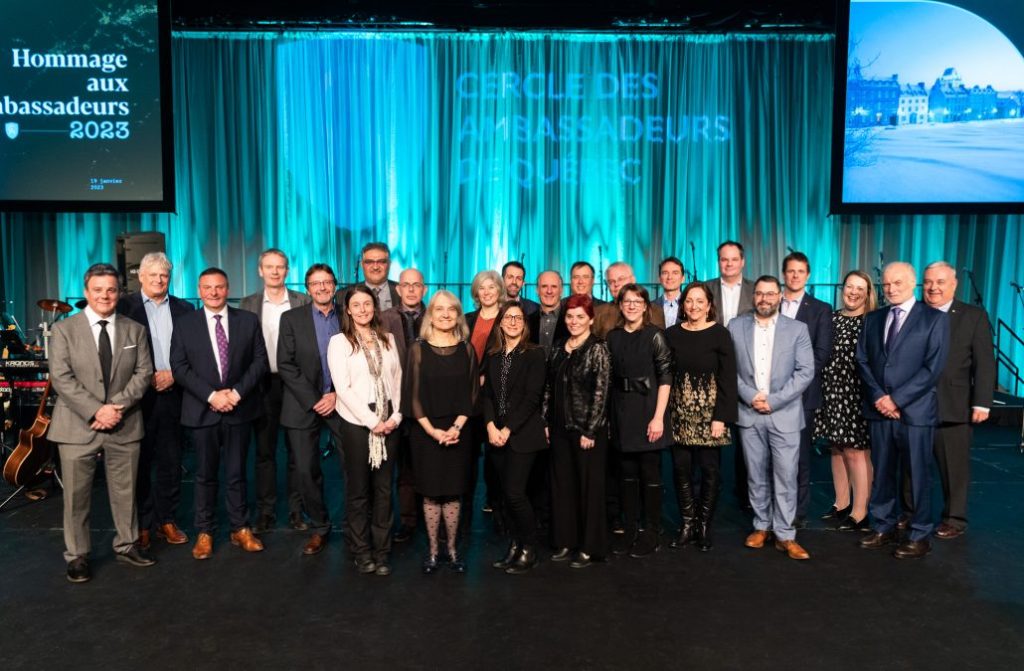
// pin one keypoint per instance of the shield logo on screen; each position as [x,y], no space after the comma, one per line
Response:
[11,128]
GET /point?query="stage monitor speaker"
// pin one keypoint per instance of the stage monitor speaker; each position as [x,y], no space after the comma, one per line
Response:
[131,247]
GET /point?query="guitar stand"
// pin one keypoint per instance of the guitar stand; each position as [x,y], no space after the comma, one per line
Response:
[50,470]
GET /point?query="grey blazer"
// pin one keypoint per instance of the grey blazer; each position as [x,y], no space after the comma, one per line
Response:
[254,302]
[746,297]
[792,370]
[76,377]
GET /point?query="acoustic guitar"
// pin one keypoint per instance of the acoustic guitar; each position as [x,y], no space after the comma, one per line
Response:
[34,451]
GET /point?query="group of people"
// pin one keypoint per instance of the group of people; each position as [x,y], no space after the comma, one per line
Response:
[573,401]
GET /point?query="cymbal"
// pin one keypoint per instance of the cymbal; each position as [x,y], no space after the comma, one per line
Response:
[53,305]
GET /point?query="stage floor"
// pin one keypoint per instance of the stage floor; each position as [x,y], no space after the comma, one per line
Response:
[731,608]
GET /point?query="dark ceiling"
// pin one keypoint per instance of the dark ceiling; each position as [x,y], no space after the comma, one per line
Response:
[644,15]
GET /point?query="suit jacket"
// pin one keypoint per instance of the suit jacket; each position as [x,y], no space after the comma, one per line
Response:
[746,296]
[394,324]
[792,369]
[194,366]
[561,330]
[396,300]
[76,376]
[969,376]
[660,302]
[254,302]
[524,417]
[529,307]
[606,317]
[910,371]
[131,306]
[817,315]
[298,364]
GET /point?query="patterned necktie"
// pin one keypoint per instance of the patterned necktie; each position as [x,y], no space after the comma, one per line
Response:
[106,357]
[890,338]
[222,349]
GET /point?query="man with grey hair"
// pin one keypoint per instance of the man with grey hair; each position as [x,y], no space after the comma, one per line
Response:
[547,325]
[965,392]
[153,307]
[268,305]
[606,317]
[100,368]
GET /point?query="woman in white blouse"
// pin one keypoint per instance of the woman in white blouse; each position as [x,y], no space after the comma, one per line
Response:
[367,379]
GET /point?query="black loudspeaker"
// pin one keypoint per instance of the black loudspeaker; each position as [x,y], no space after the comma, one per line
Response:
[131,247]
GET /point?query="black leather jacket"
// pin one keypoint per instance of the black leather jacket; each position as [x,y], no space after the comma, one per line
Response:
[587,372]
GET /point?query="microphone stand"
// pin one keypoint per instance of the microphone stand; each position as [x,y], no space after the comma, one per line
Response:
[975,293]
[600,266]
[878,278]
[693,257]
[444,271]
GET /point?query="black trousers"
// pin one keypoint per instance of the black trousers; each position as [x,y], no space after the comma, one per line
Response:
[643,466]
[514,470]
[266,453]
[803,474]
[157,495]
[578,492]
[228,443]
[367,494]
[309,476]
[953,457]
[408,503]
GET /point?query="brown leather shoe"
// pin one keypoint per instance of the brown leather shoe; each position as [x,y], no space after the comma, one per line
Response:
[793,549]
[757,539]
[948,532]
[244,539]
[877,539]
[172,534]
[144,540]
[203,549]
[912,550]
[315,544]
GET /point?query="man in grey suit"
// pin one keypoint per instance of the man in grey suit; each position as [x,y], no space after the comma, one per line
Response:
[269,304]
[774,365]
[100,367]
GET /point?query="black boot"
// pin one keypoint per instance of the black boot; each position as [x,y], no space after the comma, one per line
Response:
[630,489]
[687,512]
[649,540]
[510,556]
[525,560]
[708,500]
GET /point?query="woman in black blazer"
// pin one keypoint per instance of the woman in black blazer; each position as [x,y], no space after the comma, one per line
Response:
[514,376]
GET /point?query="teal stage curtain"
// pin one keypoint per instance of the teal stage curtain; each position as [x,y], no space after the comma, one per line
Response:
[462,151]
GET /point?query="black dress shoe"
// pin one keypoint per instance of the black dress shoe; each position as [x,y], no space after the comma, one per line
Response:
[510,556]
[903,522]
[837,513]
[296,522]
[525,560]
[563,554]
[264,524]
[430,564]
[136,557]
[403,534]
[78,570]
[366,566]
[581,560]
[877,540]
[383,569]
[850,524]
[913,550]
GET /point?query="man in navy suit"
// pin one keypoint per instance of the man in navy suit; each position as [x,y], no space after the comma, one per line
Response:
[670,275]
[901,354]
[817,315]
[219,358]
[157,310]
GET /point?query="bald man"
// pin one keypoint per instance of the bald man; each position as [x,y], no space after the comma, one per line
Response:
[606,317]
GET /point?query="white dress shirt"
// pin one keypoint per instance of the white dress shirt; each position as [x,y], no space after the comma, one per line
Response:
[94,326]
[271,323]
[764,342]
[730,300]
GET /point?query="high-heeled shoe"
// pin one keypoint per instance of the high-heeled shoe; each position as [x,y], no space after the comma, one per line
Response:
[850,524]
[455,563]
[430,564]
[837,513]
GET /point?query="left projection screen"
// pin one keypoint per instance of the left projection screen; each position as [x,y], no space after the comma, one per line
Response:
[85,106]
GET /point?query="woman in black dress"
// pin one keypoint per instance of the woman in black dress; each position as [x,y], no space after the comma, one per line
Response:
[442,386]
[514,375]
[574,401]
[703,401]
[840,420]
[640,382]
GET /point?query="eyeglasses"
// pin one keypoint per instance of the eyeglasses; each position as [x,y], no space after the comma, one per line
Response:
[376,262]
[634,302]
[410,285]
[765,294]
[320,283]
[512,318]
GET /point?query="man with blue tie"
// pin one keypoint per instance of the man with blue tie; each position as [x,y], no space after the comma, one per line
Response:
[670,275]
[774,365]
[219,358]
[901,354]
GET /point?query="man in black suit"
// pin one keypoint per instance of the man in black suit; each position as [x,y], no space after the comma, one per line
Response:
[513,276]
[309,402]
[799,305]
[153,307]
[404,321]
[375,260]
[219,359]
[900,356]
[965,392]
[547,325]
[268,305]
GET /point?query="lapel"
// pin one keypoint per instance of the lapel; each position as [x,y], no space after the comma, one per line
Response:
[781,331]
[748,341]
[956,316]
[83,334]
[211,347]
[120,338]
[233,332]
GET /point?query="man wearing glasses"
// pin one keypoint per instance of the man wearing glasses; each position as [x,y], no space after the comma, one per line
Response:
[376,262]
